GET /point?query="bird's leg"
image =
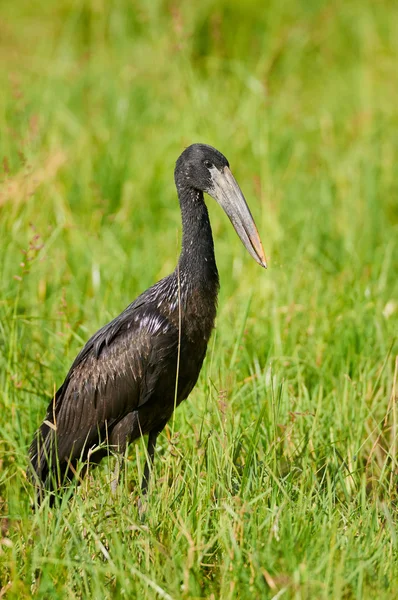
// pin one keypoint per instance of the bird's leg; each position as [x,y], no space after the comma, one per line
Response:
[149,461]
[147,472]
[116,474]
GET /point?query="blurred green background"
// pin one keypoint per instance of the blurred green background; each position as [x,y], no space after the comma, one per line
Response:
[296,490]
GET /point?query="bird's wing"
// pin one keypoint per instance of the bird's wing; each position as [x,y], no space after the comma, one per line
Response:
[111,377]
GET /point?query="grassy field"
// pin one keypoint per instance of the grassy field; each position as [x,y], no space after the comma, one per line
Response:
[278,477]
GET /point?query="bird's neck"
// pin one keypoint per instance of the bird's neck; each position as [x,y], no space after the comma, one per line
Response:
[197,252]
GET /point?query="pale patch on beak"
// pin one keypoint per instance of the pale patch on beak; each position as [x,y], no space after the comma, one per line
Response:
[226,191]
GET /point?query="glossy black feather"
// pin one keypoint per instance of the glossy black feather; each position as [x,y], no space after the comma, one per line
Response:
[126,373]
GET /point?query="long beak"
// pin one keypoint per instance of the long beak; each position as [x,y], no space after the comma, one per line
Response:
[228,194]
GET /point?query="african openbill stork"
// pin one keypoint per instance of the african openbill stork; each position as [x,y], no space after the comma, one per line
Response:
[130,376]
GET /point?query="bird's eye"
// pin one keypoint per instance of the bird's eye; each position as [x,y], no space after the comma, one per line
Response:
[208,164]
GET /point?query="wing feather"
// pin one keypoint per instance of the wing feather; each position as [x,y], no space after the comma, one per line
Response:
[113,375]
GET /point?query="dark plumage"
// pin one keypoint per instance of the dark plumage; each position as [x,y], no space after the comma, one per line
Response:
[123,383]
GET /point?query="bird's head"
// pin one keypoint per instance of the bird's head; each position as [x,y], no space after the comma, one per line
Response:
[204,168]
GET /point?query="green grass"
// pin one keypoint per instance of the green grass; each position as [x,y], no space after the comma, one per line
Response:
[278,477]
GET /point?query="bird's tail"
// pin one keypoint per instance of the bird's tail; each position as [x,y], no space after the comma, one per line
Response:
[42,454]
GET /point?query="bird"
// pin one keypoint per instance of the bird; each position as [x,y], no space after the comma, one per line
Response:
[133,372]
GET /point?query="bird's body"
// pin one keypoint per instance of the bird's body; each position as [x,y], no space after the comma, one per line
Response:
[130,376]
